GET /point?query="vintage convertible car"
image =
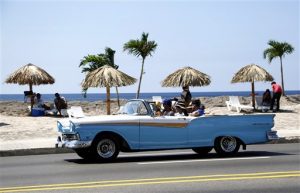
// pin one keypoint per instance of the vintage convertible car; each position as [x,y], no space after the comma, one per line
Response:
[136,128]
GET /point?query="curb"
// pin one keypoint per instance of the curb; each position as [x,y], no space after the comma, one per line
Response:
[43,151]
[34,151]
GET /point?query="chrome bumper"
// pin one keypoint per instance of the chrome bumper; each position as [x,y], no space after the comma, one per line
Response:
[74,144]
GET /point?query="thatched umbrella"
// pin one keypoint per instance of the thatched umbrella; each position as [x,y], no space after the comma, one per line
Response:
[186,77]
[107,76]
[252,73]
[32,75]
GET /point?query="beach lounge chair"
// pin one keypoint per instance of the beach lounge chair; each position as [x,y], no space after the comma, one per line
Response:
[75,112]
[234,103]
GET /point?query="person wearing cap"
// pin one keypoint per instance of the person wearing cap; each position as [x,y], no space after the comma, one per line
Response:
[277,91]
[60,102]
[168,111]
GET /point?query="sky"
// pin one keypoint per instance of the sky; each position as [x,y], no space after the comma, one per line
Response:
[216,37]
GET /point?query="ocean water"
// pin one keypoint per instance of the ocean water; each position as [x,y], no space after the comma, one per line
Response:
[102,96]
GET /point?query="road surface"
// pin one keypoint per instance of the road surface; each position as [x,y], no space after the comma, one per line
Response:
[261,168]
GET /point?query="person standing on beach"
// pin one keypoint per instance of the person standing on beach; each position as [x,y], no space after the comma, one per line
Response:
[277,91]
[60,102]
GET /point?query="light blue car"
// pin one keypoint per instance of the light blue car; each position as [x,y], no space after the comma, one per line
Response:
[136,128]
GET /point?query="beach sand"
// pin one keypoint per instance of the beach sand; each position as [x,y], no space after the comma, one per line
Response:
[20,131]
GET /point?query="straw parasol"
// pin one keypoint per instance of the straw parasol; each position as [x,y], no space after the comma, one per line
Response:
[252,73]
[32,75]
[186,76]
[107,76]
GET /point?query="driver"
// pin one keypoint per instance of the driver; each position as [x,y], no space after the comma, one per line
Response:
[168,111]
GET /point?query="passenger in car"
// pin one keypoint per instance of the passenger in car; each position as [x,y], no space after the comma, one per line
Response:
[158,108]
[168,111]
[178,110]
[198,109]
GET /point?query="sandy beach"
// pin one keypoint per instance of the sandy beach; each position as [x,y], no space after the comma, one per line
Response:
[20,131]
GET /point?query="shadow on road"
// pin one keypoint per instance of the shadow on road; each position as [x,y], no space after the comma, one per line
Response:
[175,157]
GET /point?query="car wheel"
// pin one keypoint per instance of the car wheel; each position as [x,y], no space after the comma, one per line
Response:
[84,153]
[202,150]
[106,148]
[227,145]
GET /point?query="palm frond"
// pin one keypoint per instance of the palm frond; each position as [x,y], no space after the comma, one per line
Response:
[92,62]
[287,48]
[277,49]
[141,47]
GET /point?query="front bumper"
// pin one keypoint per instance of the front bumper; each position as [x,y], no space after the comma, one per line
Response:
[74,144]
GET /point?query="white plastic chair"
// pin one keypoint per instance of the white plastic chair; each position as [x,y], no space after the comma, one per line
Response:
[76,112]
[64,112]
[156,99]
[234,103]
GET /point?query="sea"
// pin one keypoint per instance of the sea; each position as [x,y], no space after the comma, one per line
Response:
[90,97]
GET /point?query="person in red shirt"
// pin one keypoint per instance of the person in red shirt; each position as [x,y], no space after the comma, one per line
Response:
[277,91]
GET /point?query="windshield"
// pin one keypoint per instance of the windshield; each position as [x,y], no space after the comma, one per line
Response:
[134,108]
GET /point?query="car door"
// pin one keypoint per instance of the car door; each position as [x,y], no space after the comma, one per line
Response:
[163,132]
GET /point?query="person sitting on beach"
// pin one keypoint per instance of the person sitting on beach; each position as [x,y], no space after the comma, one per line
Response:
[60,102]
[266,99]
[168,111]
[39,102]
[198,109]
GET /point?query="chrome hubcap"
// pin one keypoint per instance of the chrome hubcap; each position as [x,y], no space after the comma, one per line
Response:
[228,144]
[106,148]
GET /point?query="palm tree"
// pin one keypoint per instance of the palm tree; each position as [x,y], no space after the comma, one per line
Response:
[93,62]
[278,49]
[90,63]
[110,55]
[142,48]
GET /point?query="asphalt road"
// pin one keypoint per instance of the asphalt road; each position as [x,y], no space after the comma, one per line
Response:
[261,168]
